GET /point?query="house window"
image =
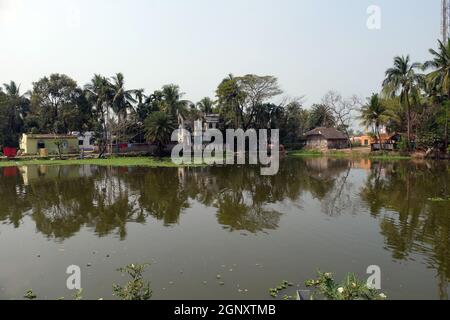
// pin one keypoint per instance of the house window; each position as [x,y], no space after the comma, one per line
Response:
[41,145]
[366,142]
[80,142]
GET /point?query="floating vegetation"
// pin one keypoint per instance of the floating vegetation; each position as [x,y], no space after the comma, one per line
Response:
[78,295]
[30,295]
[438,199]
[274,292]
[350,289]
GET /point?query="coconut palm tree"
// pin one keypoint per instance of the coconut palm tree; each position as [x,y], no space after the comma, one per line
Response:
[16,106]
[99,92]
[403,79]
[173,102]
[373,114]
[321,116]
[19,101]
[439,78]
[122,101]
[159,127]
[206,105]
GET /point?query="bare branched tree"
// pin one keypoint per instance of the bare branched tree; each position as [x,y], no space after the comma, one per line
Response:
[343,110]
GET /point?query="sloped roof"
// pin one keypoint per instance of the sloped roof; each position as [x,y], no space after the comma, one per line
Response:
[327,133]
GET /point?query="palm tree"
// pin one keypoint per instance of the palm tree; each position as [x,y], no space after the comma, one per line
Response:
[19,100]
[122,101]
[373,114]
[206,105]
[172,100]
[403,79]
[159,128]
[321,116]
[439,78]
[17,108]
[99,92]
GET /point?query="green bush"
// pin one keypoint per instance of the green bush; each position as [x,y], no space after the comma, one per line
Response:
[137,288]
[402,145]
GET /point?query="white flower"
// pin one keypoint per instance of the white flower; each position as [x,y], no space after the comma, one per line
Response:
[340,290]
[383,296]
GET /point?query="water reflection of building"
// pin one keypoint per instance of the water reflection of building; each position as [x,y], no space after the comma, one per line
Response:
[30,173]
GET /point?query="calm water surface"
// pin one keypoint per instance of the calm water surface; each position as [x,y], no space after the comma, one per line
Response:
[194,224]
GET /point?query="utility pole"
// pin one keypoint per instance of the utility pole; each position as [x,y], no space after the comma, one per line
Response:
[445,20]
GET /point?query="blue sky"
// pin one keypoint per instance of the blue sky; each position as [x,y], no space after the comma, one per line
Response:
[312,46]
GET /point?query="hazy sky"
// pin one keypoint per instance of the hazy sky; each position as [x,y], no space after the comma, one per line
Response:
[312,46]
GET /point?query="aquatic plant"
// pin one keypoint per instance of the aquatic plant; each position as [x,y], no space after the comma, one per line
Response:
[274,292]
[30,295]
[137,288]
[350,289]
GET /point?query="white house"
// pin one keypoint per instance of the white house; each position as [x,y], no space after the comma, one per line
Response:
[86,140]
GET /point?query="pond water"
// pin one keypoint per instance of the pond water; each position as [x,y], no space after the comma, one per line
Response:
[194,224]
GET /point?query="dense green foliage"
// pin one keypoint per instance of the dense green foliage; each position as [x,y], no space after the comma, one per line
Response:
[137,288]
[412,103]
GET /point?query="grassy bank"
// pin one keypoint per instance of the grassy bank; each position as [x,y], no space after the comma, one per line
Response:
[153,162]
[349,154]
[114,162]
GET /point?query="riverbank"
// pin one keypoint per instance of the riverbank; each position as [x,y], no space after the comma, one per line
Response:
[151,162]
[355,153]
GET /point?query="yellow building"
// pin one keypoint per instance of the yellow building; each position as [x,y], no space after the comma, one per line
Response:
[32,144]
[367,140]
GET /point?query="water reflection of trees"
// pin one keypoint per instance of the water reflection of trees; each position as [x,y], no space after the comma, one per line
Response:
[63,200]
[399,195]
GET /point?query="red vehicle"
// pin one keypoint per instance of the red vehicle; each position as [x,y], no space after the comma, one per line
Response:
[10,152]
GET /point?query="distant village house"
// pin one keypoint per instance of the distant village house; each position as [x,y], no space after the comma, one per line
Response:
[86,140]
[42,144]
[324,139]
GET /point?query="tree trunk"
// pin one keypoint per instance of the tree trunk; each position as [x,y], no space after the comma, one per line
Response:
[379,137]
[446,128]
[408,106]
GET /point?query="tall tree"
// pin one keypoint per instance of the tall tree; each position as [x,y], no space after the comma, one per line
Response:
[244,96]
[51,98]
[439,78]
[231,101]
[373,114]
[206,105]
[296,121]
[122,102]
[14,109]
[403,80]
[172,101]
[101,95]
[123,99]
[342,110]
[321,115]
